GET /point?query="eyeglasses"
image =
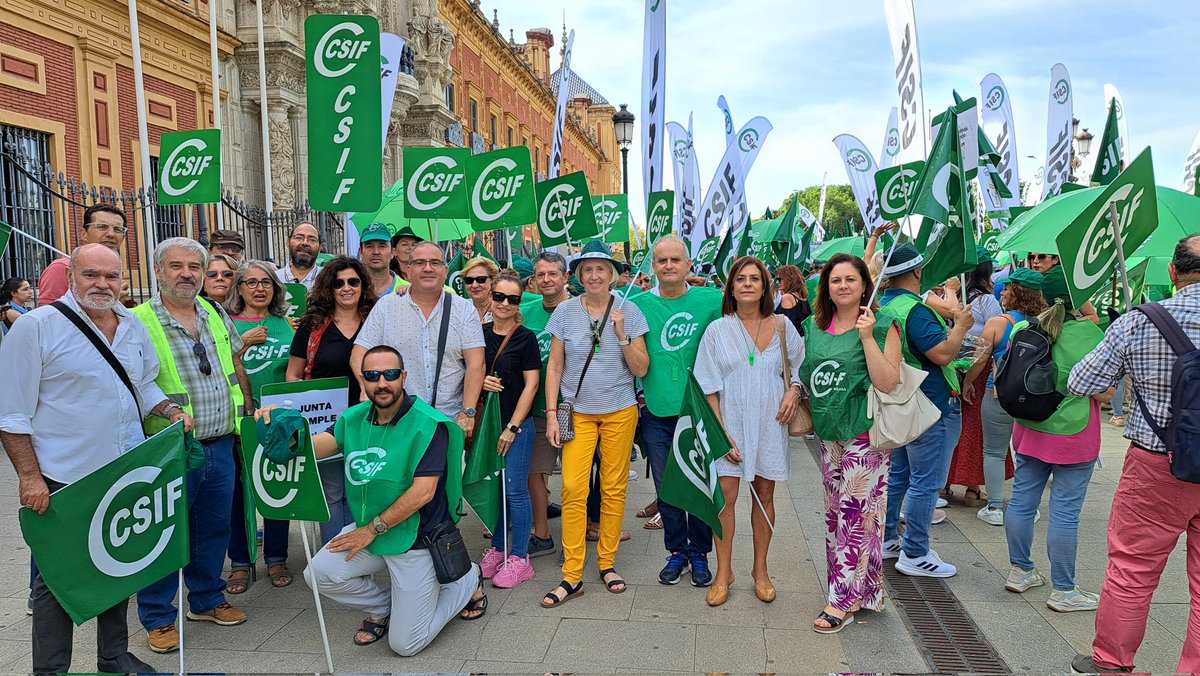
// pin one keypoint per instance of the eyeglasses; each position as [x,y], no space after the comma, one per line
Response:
[434,263]
[202,355]
[231,248]
[305,239]
[354,283]
[500,298]
[388,375]
[104,227]
[1040,257]
[256,283]
[482,279]
[224,274]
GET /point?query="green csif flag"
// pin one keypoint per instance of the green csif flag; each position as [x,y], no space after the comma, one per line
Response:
[289,492]
[723,261]
[946,238]
[689,480]
[5,235]
[660,215]
[1108,162]
[481,478]
[116,530]
[565,210]
[708,250]
[454,274]
[612,217]
[480,250]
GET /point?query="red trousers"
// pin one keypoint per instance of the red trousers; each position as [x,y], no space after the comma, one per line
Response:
[1150,510]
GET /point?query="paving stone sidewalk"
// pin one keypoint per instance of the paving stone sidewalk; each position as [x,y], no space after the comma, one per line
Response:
[652,628]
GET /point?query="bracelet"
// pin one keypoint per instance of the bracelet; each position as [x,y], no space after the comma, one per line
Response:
[552,410]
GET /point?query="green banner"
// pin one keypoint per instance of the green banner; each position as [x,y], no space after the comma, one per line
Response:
[454,274]
[660,215]
[435,181]
[707,252]
[947,237]
[116,530]
[1108,162]
[297,300]
[5,235]
[481,477]
[612,217]
[1087,247]
[723,260]
[689,480]
[344,112]
[191,172]
[291,491]
[565,210]
[637,257]
[896,186]
[500,185]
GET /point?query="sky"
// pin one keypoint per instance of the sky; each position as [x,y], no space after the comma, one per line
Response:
[817,69]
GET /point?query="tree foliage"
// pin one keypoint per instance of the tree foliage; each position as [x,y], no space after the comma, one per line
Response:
[841,218]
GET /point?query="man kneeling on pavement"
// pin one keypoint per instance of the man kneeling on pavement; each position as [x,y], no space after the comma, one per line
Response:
[410,450]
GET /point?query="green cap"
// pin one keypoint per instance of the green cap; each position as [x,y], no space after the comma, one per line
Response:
[1026,277]
[376,232]
[984,255]
[1054,287]
[523,266]
[405,231]
[595,249]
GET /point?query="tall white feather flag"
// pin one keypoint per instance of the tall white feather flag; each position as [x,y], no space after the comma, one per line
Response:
[1058,132]
[914,130]
[560,110]
[1110,93]
[654,87]
[891,141]
[687,177]
[1190,165]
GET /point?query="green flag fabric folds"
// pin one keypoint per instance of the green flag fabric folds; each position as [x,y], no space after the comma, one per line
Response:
[481,478]
[689,480]
[946,238]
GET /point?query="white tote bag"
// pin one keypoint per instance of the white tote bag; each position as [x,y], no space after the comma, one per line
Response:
[902,415]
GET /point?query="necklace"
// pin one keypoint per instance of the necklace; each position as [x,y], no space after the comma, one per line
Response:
[751,349]
[594,324]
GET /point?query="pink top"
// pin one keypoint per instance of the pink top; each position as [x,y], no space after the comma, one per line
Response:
[1061,449]
[54,283]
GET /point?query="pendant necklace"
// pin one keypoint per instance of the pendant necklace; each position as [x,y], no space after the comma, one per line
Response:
[596,329]
[751,349]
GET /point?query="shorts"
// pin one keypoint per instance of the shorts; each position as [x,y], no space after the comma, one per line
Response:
[544,455]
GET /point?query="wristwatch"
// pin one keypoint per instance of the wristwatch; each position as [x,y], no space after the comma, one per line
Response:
[469,412]
[513,428]
[380,526]
[166,413]
[627,341]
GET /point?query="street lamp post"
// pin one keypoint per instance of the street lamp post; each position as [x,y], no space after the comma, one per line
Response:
[623,125]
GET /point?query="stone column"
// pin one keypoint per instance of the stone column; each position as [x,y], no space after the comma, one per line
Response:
[432,40]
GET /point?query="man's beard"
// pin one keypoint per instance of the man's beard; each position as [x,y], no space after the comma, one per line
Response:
[390,396]
[302,259]
[185,296]
[92,299]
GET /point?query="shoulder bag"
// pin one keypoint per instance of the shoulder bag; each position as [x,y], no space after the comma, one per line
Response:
[801,424]
[900,416]
[566,410]
[451,560]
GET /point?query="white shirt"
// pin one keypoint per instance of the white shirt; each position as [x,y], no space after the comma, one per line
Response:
[61,392]
[284,274]
[398,321]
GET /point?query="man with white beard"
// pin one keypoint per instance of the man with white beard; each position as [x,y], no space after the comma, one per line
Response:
[53,372]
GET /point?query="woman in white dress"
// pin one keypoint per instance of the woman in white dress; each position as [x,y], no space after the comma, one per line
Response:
[740,368]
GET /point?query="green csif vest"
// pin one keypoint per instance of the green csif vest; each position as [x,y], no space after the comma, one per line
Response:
[898,309]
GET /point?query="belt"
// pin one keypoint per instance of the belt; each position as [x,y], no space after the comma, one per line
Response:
[1143,448]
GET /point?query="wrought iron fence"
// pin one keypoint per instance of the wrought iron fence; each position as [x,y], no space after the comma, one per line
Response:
[49,205]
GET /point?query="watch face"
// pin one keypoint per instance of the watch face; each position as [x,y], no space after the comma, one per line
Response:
[470,412]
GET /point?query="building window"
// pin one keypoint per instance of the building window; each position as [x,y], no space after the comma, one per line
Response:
[525,141]
[474,112]
[537,157]
[26,201]
[450,97]
[492,129]
[510,136]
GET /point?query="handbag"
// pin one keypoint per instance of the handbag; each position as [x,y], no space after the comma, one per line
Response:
[802,424]
[902,415]
[451,560]
[566,410]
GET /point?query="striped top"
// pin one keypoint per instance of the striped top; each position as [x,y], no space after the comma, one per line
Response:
[608,385]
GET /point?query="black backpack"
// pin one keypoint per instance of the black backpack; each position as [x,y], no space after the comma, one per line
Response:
[1181,435]
[1026,378]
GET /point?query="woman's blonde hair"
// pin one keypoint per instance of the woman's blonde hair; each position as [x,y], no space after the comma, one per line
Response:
[492,268]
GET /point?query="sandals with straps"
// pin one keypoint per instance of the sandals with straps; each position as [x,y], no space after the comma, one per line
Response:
[614,582]
[836,624]
[475,605]
[552,599]
[376,629]
[237,584]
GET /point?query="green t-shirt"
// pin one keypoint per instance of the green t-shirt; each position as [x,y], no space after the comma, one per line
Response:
[636,290]
[535,317]
[676,326]
[266,363]
[1078,337]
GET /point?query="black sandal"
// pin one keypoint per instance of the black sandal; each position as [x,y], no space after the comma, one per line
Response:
[551,599]
[478,605]
[836,624]
[376,629]
[610,584]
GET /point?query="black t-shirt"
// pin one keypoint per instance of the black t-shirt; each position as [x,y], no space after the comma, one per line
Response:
[432,463]
[795,314]
[333,356]
[520,355]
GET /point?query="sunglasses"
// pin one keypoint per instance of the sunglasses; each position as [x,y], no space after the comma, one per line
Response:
[354,283]
[224,274]
[388,375]
[1041,257]
[202,355]
[482,279]
[498,297]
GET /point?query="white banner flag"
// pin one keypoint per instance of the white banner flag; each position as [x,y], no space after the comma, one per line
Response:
[1110,93]
[891,141]
[1058,132]
[687,177]
[654,94]
[902,27]
[860,169]
[560,110]
[998,126]
[738,215]
[1190,165]
[727,186]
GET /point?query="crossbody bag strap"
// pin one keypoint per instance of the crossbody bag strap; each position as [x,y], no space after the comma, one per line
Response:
[591,353]
[441,348]
[783,350]
[1173,333]
[496,359]
[102,349]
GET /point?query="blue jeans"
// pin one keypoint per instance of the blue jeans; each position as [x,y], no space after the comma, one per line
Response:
[275,532]
[210,497]
[1118,400]
[682,532]
[516,485]
[919,471]
[333,482]
[1066,500]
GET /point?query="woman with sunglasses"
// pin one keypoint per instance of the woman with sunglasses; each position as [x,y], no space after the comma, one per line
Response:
[477,277]
[218,278]
[258,307]
[514,366]
[1045,262]
[338,303]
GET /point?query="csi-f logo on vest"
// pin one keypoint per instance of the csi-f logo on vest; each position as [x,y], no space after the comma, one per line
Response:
[434,182]
[678,331]
[826,378]
[362,466]
[263,354]
[276,485]
[543,341]
[693,436]
[140,503]
[191,172]
[565,209]
[500,186]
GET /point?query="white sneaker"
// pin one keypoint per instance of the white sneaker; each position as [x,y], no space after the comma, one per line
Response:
[633,475]
[891,549]
[941,502]
[1020,581]
[1072,600]
[930,565]
[938,517]
[991,515]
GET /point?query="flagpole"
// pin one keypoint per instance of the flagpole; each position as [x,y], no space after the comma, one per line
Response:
[317,600]
[35,240]
[504,506]
[139,93]
[179,612]
[216,87]
[1120,242]
[268,189]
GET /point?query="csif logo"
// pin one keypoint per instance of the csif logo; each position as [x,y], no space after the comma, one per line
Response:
[269,478]
[681,151]
[748,140]
[659,217]
[995,98]
[898,190]
[1098,247]
[559,209]
[189,160]
[678,330]
[694,461]
[360,468]
[607,212]
[860,160]
[1061,92]
[345,51]
[502,188]
[543,341]
[707,249]
[892,144]
[116,544]
[265,353]
[826,377]
[427,182]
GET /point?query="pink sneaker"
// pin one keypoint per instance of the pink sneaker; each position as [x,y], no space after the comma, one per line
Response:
[514,572]
[493,561]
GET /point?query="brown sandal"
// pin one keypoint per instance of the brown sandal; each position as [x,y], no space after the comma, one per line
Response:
[239,580]
[648,511]
[279,574]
